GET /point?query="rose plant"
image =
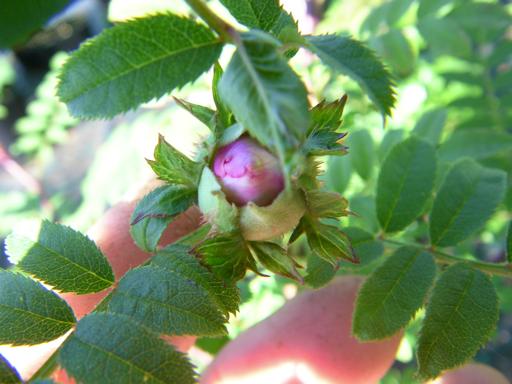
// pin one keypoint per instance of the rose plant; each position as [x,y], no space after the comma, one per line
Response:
[257,181]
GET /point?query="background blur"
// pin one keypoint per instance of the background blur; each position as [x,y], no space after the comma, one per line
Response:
[452,61]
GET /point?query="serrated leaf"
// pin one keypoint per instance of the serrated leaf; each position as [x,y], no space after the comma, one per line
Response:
[156,211]
[392,294]
[430,126]
[167,302]
[405,183]
[265,95]
[352,58]
[226,255]
[177,258]
[258,14]
[8,375]
[173,166]
[29,313]
[467,198]
[327,116]
[325,143]
[204,114]
[362,153]
[18,19]
[134,62]
[326,204]
[62,257]
[477,144]
[329,243]
[111,346]
[509,242]
[461,316]
[276,259]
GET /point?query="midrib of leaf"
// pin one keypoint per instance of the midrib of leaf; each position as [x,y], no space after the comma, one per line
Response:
[120,359]
[459,208]
[261,92]
[456,310]
[162,303]
[34,314]
[87,271]
[404,270]
[135,67]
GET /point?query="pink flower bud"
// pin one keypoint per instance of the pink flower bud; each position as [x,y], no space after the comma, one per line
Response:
[248,172]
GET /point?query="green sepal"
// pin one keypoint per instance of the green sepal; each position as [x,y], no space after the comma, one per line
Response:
[173,166]
[325,143]
[204,114]
[327,116]
[226,255]
[275,258]
[326,204]
[156,211]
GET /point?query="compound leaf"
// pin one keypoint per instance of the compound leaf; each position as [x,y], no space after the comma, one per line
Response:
[461,316]
[468,197]
[167,302]
[63,258]
[29,313]
[111,346]
[134,62]
[352,58]
[393,293]
[405,184]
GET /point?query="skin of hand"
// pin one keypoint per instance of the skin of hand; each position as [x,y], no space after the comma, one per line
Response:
[111,234]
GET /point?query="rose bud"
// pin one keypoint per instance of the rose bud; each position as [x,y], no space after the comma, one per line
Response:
[247,172]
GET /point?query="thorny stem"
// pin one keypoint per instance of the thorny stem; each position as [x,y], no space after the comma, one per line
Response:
[498,269]
[226,31]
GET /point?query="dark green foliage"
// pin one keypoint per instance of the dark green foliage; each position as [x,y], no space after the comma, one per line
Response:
[388,300]
[155,211]
[352,58]
[134,62]
[468,197]
[63,258]
[18,19]
[461,316]
[8,374]
[405,184]
[114,348]
[167,302]
[29,313]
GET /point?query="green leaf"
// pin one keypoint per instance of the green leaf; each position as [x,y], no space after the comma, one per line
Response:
[18,19]
[177,258]
[352,58]
[156,211]
[395,49]
[325,143]
[405,184]
[362,153]
[430,126]
[339,173]
[318,272]
[226,255]
[329,243]
[390,139]
[468,197]
[326,204]
[29,313]
[111,346]
[167,302]
[173,166]
[63,258]
[265,95]
[366,247]
[509,242]
[327,116]
[204,114]
[445,37]
[461,316]
[134,62]
[276,259]
[477,144]
[223,113]
[255,14]
[8,375]
[390,297]
[431,7]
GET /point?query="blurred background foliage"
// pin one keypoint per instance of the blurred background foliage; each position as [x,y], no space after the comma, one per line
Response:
[452,62]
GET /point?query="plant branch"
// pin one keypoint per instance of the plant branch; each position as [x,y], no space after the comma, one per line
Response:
[225,30]
[498,269]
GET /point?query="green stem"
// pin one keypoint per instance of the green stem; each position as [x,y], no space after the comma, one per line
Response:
[223,28]
[498,269]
